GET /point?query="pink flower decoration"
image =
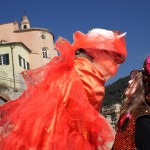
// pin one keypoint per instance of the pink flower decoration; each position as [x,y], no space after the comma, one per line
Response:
[123,118]
[148,64]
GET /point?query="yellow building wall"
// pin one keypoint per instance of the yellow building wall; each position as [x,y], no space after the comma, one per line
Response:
[6,75]
[20,50]
[10,74]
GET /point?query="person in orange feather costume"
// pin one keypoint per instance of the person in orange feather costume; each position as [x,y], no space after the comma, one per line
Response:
[59,110]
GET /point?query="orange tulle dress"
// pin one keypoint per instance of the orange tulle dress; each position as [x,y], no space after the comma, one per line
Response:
[59,110]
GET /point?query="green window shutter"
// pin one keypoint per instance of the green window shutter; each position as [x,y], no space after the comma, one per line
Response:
[19,60]
[7,59]
[28,66]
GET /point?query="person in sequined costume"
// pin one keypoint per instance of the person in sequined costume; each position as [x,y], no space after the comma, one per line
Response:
[133,128]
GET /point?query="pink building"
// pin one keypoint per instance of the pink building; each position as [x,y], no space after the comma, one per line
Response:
[39,40]
[21,47]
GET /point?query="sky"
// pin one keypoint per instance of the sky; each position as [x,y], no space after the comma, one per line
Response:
[64,17]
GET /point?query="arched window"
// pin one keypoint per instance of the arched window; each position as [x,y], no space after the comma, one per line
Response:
[25,27]
[2,100]
[45,52]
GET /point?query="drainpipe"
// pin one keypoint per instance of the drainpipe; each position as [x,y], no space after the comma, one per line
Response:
[13,68]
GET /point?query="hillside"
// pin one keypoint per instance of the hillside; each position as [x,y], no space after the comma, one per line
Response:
[114,92]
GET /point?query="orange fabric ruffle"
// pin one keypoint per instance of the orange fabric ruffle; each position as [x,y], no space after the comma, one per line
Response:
[59,108]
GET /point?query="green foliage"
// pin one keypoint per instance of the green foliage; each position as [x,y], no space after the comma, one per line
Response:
[114,92]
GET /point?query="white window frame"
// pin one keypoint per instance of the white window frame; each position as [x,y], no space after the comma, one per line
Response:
[23,63]
[3,59]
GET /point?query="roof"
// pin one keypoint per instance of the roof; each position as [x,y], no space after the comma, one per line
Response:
[35,29]
[16,43]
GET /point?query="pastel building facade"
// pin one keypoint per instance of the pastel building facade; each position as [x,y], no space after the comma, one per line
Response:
[21,48]
[39,40]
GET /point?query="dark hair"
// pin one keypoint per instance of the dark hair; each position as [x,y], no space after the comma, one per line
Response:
[82,53]
[78,51]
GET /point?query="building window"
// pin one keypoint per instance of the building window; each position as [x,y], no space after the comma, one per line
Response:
[23,63]
[28,66]
[20,61]
[44,53]
[4,59]
[25,26]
